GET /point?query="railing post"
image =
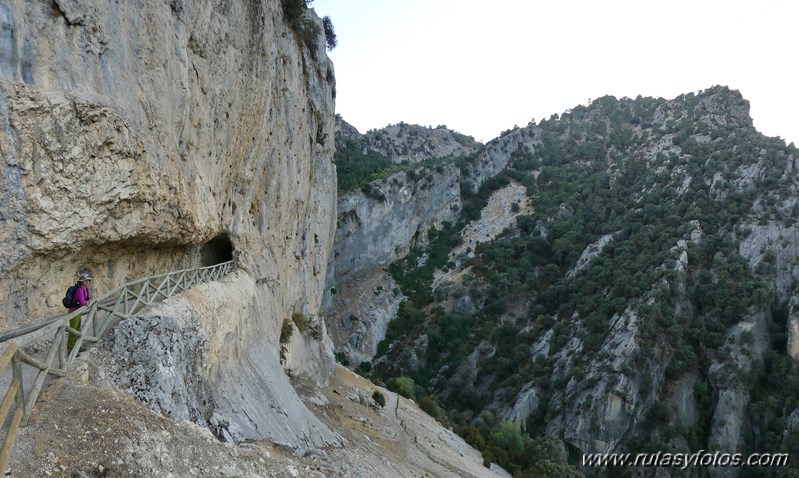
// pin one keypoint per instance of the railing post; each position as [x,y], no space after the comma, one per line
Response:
[38,383]
[95,320]
[19,412]
[89,322]
[19,401]
[62,347]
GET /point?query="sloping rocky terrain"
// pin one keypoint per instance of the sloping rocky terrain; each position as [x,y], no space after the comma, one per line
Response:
[84,427]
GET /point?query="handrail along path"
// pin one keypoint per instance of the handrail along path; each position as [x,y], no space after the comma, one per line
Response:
[119,304]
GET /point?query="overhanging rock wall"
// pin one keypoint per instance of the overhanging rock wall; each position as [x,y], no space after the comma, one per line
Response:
[131,133]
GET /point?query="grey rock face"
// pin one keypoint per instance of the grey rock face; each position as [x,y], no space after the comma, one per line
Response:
[526,404]
[380,228]
[409,142]
[132,135]
[359,314]
[498,151]
[590,251]
[775,242]
[793,328]
[157,364]
[202,355]
[346,131]
[610,394]
[229,431]
[376,231]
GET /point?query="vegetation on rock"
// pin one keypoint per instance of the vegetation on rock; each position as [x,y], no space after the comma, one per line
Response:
[675,188]
[379,398]
[306,29]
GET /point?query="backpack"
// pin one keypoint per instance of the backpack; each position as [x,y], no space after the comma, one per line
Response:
[69,298]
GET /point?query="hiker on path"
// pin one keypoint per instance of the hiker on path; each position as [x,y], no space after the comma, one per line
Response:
[83,295]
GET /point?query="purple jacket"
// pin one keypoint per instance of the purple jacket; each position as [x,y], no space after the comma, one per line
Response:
[82,296]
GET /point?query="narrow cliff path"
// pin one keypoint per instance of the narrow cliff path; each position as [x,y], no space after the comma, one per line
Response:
[85,425]
[34,353]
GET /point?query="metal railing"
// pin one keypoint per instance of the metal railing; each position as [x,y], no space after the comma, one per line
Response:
[118,304]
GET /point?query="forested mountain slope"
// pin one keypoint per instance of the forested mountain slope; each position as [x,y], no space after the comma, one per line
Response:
[647,303]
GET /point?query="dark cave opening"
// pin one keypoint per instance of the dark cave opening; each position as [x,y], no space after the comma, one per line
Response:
[217,250]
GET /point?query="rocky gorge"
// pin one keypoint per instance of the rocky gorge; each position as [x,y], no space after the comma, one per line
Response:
[146,137]
[643,298]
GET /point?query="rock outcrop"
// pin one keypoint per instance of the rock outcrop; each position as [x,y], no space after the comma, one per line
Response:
[381,223]
[793,329]
[133,135]
[359,313]
[206,353]
[374,231]
[377,229]
[498,152]
[409,142]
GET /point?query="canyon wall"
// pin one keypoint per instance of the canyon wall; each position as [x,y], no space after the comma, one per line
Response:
[134,133]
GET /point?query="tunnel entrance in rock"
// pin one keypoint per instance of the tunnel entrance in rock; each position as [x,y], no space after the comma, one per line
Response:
[217,250]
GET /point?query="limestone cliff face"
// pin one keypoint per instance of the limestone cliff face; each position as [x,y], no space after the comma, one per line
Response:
[359,312]
[381,227]
[134,133]
[377,229]
[793,329]
[498,152]
[374,231]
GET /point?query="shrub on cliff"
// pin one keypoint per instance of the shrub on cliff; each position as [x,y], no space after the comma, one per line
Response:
[305,28]
[428,405]
[294,10]
[299,320]
[330,33]
[286,332]
[379,398]
[403,386]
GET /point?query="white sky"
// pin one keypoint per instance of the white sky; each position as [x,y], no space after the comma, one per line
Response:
[482,66]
